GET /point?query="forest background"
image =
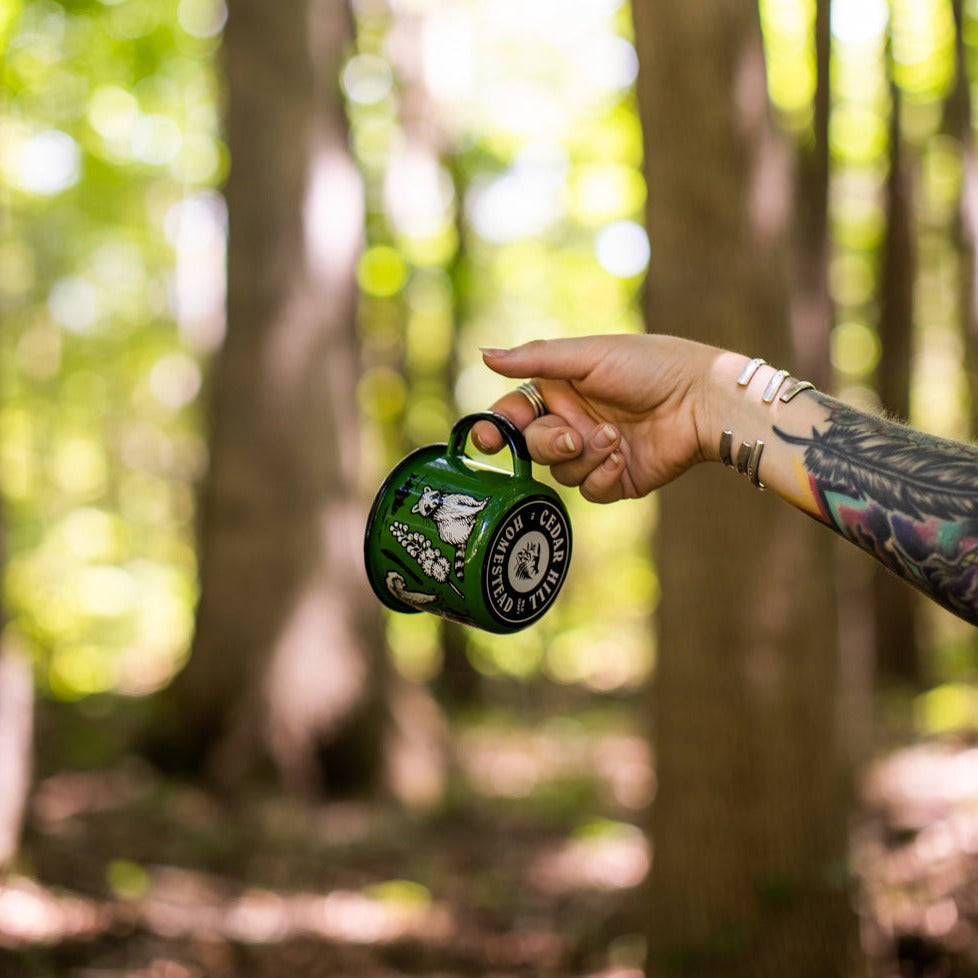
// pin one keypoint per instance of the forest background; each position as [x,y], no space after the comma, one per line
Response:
[244,269]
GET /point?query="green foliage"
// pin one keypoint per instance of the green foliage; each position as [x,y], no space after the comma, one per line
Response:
[501,154]
[885,55]
[127,879]
[951,708]
[109,138]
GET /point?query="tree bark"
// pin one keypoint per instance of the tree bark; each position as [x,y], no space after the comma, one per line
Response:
[895,617]
[749,826]
[16,748]
[958,124]
[288,647]
[811,302]
[16,739]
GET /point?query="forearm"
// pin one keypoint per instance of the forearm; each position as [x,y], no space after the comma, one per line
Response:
[907,498]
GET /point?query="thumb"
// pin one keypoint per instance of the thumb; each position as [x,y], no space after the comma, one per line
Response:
[563,359]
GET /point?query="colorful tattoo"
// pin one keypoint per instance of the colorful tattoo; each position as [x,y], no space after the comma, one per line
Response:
[908,498]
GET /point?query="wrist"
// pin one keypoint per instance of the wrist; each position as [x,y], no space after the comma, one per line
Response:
[721,405]
[748,397]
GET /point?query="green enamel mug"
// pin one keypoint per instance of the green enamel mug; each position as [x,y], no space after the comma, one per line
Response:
[461,539]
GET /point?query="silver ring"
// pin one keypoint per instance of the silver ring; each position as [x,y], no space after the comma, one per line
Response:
[532,393]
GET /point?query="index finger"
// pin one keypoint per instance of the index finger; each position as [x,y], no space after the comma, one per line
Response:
[567,358]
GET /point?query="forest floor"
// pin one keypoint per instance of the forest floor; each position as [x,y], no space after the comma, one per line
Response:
[530,869]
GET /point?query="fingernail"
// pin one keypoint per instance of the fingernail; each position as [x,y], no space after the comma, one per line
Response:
[566,444]
[612,461]
[493,352]
[605,436]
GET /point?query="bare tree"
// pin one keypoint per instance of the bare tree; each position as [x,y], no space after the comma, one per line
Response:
[16,742]
[958,123]
[288,651]
[897,652]
[750,821]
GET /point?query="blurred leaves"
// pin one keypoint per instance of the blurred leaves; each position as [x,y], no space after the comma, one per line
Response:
[501,155]
[109,131]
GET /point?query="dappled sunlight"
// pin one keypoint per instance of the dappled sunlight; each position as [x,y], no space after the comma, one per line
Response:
[341,878]
[332,215]
[619,973]
[859,22]
[601,855]
[196,228]
[509,762]
[180,903]
[523,202]
[60,798]
[490,191]
[33,914]
[482,85]
[419,194]
[916,850]
[502,160]
[109,152]
[366,878]
[44,163]
[598,660]
[622,249]
[921,783]
[16,745]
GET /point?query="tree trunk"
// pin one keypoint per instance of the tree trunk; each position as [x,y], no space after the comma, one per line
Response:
[288,642]
[458,684]
[811,304]
[897,652]
[16,748]
[750,822]
[16,740]
[958,124]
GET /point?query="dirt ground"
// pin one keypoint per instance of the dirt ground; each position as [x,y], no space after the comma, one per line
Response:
[529,870]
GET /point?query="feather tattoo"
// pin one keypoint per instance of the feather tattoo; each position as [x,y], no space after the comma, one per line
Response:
[908,498]
[902,469]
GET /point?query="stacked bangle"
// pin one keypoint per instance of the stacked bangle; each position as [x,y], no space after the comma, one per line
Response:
[748,459]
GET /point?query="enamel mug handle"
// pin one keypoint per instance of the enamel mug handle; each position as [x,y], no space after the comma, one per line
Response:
[522,463]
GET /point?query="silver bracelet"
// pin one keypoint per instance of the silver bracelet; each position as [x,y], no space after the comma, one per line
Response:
[753,464]
[796,388]
[726,447]
[747,374]
[774,385]
[748,461]
[748,457]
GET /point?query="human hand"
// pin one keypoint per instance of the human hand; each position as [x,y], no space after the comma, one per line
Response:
[623,410]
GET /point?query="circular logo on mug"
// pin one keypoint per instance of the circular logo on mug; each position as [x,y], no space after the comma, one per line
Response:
[526,562]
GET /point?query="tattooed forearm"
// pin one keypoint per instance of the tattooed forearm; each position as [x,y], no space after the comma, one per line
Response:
[908,498]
